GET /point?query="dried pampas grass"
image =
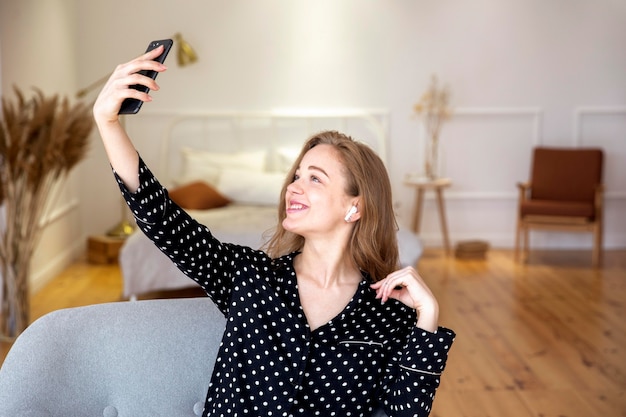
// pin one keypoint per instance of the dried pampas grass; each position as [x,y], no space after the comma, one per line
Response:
[41,140]
[433,108]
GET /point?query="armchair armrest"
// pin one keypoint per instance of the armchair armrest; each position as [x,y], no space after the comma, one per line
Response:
[523,188]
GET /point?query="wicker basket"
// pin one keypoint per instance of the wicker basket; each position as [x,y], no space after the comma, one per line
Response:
[471,249]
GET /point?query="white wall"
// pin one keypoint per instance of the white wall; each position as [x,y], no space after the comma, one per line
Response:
[522,73]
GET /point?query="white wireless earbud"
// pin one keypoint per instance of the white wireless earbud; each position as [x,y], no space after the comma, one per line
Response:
[350,212]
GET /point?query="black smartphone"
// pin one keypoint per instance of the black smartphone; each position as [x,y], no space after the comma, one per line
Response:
[132,105]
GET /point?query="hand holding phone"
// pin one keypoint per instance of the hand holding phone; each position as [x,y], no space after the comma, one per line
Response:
[132,105]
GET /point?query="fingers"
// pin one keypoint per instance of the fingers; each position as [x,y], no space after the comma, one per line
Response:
[404,285]
[394,283]
[146,62]
[152,54]
[118,86]
[408,287]
[133,72]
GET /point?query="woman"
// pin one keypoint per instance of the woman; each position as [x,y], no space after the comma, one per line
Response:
[321,324]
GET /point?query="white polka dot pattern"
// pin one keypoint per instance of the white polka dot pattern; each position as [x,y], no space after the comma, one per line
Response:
[270,363]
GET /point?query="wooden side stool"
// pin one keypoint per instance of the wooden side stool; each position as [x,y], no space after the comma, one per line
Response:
[103,249]
[421,186]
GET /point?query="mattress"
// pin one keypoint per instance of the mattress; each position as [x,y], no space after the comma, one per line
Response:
[145,269]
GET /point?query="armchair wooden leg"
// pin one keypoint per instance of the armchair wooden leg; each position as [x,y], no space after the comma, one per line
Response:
[526,240]
[596,259]
[517,241]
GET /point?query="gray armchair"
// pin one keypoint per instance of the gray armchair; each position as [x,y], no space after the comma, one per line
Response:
[126,359]
[145,358]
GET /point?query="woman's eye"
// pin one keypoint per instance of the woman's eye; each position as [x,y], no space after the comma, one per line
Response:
[314,178]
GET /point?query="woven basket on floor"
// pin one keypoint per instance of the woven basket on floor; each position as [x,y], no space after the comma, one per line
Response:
[471,249]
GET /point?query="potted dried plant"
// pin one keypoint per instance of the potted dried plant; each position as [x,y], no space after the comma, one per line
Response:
[433,110]
[41,140]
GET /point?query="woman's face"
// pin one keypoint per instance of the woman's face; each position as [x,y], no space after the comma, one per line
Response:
[316,200]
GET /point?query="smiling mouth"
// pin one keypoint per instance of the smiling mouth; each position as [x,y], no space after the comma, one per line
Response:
[296,207]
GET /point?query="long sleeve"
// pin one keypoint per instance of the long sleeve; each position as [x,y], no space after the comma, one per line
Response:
[419,368]
[189,244]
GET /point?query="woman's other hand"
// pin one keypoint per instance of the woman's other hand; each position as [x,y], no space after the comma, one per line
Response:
[408,287]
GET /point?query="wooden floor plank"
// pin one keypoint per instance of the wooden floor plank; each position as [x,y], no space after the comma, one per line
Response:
[495,403]
[560,403]
[544,328]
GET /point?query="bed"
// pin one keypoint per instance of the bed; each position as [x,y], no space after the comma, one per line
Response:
[226,169]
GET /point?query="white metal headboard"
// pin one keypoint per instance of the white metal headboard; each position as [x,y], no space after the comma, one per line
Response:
[227,131]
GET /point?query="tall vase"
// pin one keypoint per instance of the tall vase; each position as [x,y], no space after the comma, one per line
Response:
[42,140]
[14,301]
[431,158]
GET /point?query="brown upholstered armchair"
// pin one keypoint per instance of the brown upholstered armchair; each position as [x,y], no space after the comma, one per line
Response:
[565,193]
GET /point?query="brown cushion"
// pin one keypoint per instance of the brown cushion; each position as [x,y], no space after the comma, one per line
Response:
[198,195]
[557,208]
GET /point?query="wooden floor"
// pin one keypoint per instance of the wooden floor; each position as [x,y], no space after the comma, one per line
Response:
[546,338]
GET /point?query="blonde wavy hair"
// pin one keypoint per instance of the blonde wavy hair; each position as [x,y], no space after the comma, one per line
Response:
[373,245]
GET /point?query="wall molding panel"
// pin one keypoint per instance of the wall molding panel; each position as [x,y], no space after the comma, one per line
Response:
[584,111]
[58,212]
[584,115]
[536,113]
[487,125]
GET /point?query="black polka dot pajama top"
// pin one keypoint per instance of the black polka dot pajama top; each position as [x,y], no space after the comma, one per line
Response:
[371,356]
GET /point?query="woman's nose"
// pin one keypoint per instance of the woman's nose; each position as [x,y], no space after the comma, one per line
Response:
[294,187]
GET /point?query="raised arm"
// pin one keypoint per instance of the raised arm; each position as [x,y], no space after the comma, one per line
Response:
[119,148]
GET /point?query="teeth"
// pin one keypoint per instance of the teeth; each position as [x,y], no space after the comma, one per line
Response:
[296,206]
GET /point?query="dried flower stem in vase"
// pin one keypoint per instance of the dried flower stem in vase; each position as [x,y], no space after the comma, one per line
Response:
[433,110]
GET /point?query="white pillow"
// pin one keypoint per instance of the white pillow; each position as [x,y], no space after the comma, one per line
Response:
[286,158]
[207,166]
[247,187]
